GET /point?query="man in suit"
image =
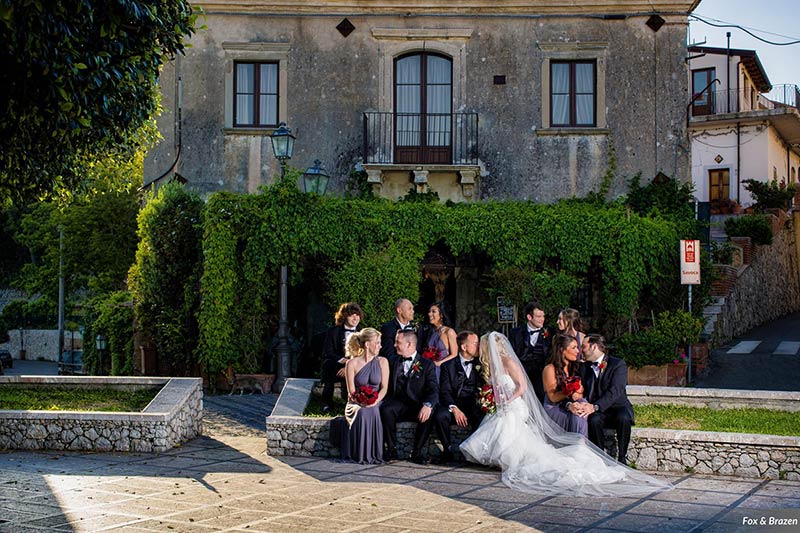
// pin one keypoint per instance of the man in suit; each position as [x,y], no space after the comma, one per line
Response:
[604,381]
[459,384]
[348,319]
[403,320]
[413,395]
[531,343]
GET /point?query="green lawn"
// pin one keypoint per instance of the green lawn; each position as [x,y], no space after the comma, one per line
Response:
[73,399]
[728,420]
[673,417]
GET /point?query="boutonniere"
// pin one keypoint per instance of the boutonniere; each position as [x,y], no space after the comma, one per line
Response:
[416,367]
[545,334]
[602,365]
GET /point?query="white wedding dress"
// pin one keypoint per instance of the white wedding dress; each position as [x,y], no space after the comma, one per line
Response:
[534,453]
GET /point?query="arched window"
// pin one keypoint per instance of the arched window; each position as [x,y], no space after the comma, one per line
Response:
[423,107]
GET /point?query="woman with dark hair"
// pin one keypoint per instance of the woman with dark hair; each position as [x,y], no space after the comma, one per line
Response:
[367,378]
[441,345]
[569,323]
[562,385]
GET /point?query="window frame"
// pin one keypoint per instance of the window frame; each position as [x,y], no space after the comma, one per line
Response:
[573,92]
[257,93]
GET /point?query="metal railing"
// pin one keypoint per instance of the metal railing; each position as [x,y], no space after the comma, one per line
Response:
[733,101]
[439,138]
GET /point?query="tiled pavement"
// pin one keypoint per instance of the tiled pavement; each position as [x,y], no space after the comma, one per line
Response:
[224,482]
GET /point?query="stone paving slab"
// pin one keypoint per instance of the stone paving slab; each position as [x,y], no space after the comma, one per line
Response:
[224,481]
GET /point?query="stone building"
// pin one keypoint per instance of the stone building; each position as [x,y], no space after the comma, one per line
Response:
[473,99]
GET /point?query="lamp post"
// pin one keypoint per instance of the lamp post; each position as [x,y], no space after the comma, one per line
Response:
[282,148]
[315,178]
[101,343]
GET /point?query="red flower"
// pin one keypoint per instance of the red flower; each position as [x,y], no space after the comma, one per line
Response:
[572,385]
[432,352]
[416,367]
[602,365]
[545,333]
[486,399]
[365,395]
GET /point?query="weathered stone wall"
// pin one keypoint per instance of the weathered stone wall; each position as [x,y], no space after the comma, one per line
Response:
[332,80]
[727,454]
[767,288]
[172,417]
[39,344]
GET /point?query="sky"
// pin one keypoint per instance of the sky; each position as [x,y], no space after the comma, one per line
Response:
[782,63]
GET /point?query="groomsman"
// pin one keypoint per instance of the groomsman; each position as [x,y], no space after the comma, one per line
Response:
[531,343]
[604,381]
[413,395]
[459,384]
[403,321]
[348,321]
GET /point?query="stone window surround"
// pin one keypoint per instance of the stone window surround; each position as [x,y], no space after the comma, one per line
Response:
[575,51]
[255,52]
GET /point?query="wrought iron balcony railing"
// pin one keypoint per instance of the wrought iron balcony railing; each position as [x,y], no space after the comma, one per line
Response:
[733,101]
[421,138]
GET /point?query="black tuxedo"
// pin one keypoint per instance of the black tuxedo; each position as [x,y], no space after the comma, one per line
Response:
[608,393]
[455,388]
[533,358]
[388,334]
[332,352]
[406,396]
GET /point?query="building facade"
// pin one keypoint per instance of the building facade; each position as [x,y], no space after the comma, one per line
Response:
[472,99]
[741,127]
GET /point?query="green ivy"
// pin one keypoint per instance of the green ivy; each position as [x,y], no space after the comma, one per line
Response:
[373,249]
[112,316]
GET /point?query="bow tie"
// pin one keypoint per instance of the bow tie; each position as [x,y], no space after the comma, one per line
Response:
[470,362]
[595,364]
[532,331]
[350,330]
[404,359]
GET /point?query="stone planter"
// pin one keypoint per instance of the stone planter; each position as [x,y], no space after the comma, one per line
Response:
[699,357]
[669,375]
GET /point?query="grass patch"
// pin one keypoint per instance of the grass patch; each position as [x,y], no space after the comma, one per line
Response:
[314,408]
[762,421]
[74,399]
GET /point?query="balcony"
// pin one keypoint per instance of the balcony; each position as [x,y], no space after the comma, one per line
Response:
[739,101]
[422,148]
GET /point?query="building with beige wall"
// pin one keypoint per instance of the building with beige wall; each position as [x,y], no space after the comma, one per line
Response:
[470,98]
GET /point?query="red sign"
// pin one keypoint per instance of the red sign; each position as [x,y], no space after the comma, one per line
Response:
[690,262]
[688,251]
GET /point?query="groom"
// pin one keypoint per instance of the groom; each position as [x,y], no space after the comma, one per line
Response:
[531,343]
[605,380]
[459,384]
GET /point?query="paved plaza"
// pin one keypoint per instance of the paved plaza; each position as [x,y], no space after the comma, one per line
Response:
[223,481]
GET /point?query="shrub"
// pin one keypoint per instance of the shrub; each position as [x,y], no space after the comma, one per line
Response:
[757,227]
[722,253]
[657,345]
[770,194]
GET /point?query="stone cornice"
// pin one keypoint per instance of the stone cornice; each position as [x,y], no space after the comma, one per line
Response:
[411,34]
[448,7]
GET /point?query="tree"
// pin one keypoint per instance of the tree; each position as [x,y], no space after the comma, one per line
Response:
[79,80]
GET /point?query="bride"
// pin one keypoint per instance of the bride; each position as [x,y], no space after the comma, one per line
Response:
[534,453]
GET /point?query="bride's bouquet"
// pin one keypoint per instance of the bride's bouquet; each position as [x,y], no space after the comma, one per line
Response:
[486,399]
[572,385]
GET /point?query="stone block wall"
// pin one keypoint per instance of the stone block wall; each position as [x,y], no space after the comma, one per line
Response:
[39,344]
[767,288]
[172,417]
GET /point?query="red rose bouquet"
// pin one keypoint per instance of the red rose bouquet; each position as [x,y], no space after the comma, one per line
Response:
[486,399]
[572,385]
[365,395]
[432,352]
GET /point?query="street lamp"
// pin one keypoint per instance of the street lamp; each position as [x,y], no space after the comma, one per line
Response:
[283,147]
[282,144]
[315,178]
[101,343]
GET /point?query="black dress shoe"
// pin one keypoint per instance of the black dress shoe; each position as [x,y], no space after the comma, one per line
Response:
[445,459]
[390,455]
[418,458]
[326,408]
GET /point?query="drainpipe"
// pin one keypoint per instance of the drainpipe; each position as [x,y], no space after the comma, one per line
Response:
[728,73]
[738,131]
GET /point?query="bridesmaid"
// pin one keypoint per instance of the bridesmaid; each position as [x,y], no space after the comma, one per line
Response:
[362,439]
[562,365]
[443,337]
[569,323]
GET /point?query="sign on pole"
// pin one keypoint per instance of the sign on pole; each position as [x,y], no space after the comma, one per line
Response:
[506,312]
[690,262]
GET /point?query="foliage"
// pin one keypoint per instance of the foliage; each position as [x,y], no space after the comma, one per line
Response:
[757,421]
[79,79]
[164,281]
[722,253]
[553,290]
[757,227]
[112,316]
[657,345]
[372,248]
[770,194]
[664,196]
[357,186]
[99,243]
[429,196]
[74,399]
[13,256]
